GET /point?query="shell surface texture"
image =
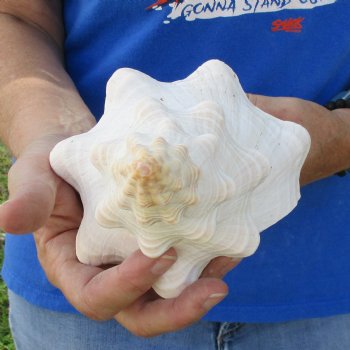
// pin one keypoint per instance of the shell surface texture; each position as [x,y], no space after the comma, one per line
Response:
[190,164]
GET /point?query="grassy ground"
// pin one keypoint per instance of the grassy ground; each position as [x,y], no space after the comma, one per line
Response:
[5,336]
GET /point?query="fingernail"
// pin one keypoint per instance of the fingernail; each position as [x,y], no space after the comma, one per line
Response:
[213,299]
[163,264]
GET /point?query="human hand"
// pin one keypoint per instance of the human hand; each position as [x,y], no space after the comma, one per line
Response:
[329,131]
[40,201]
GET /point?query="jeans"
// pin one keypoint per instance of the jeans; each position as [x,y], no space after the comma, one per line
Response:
[41,329]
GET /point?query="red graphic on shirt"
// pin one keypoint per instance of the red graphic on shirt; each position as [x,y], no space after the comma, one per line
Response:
[162,3]
[292,25]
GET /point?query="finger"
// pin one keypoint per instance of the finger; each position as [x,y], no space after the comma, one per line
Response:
[32,188]
[265,103]
[284,108]
[280,107]
[147,319]
[116,288]
[98,293]
[220,266]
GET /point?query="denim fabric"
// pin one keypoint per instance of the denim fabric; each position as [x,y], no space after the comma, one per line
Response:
[328,333]
[42,329]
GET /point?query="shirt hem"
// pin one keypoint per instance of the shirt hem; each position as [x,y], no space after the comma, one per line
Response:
[269,313]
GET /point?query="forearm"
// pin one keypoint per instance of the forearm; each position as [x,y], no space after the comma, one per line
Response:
[343,148]
[37,97]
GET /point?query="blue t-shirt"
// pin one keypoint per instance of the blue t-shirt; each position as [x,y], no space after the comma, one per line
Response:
[297,48]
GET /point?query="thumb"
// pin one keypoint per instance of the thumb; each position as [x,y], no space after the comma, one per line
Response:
[32,187]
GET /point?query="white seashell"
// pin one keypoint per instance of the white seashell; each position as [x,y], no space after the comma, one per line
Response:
[190,164]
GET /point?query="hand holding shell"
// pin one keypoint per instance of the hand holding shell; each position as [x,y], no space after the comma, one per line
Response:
[190,164]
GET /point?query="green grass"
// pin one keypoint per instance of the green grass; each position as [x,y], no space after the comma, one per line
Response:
[5,163]
[6,342]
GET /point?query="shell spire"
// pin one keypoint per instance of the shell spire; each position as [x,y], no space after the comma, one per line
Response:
[156,183]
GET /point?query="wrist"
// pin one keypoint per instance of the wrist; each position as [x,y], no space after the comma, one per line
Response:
[48,112]
[37,96]
[340,108]
[344,116]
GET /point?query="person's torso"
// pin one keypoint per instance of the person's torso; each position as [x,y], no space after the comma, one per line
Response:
[296,48]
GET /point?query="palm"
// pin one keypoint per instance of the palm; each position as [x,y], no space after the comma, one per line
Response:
[56,248]
[56,239]
[41,199]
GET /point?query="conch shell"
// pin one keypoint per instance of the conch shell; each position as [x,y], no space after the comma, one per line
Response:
[190,164]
